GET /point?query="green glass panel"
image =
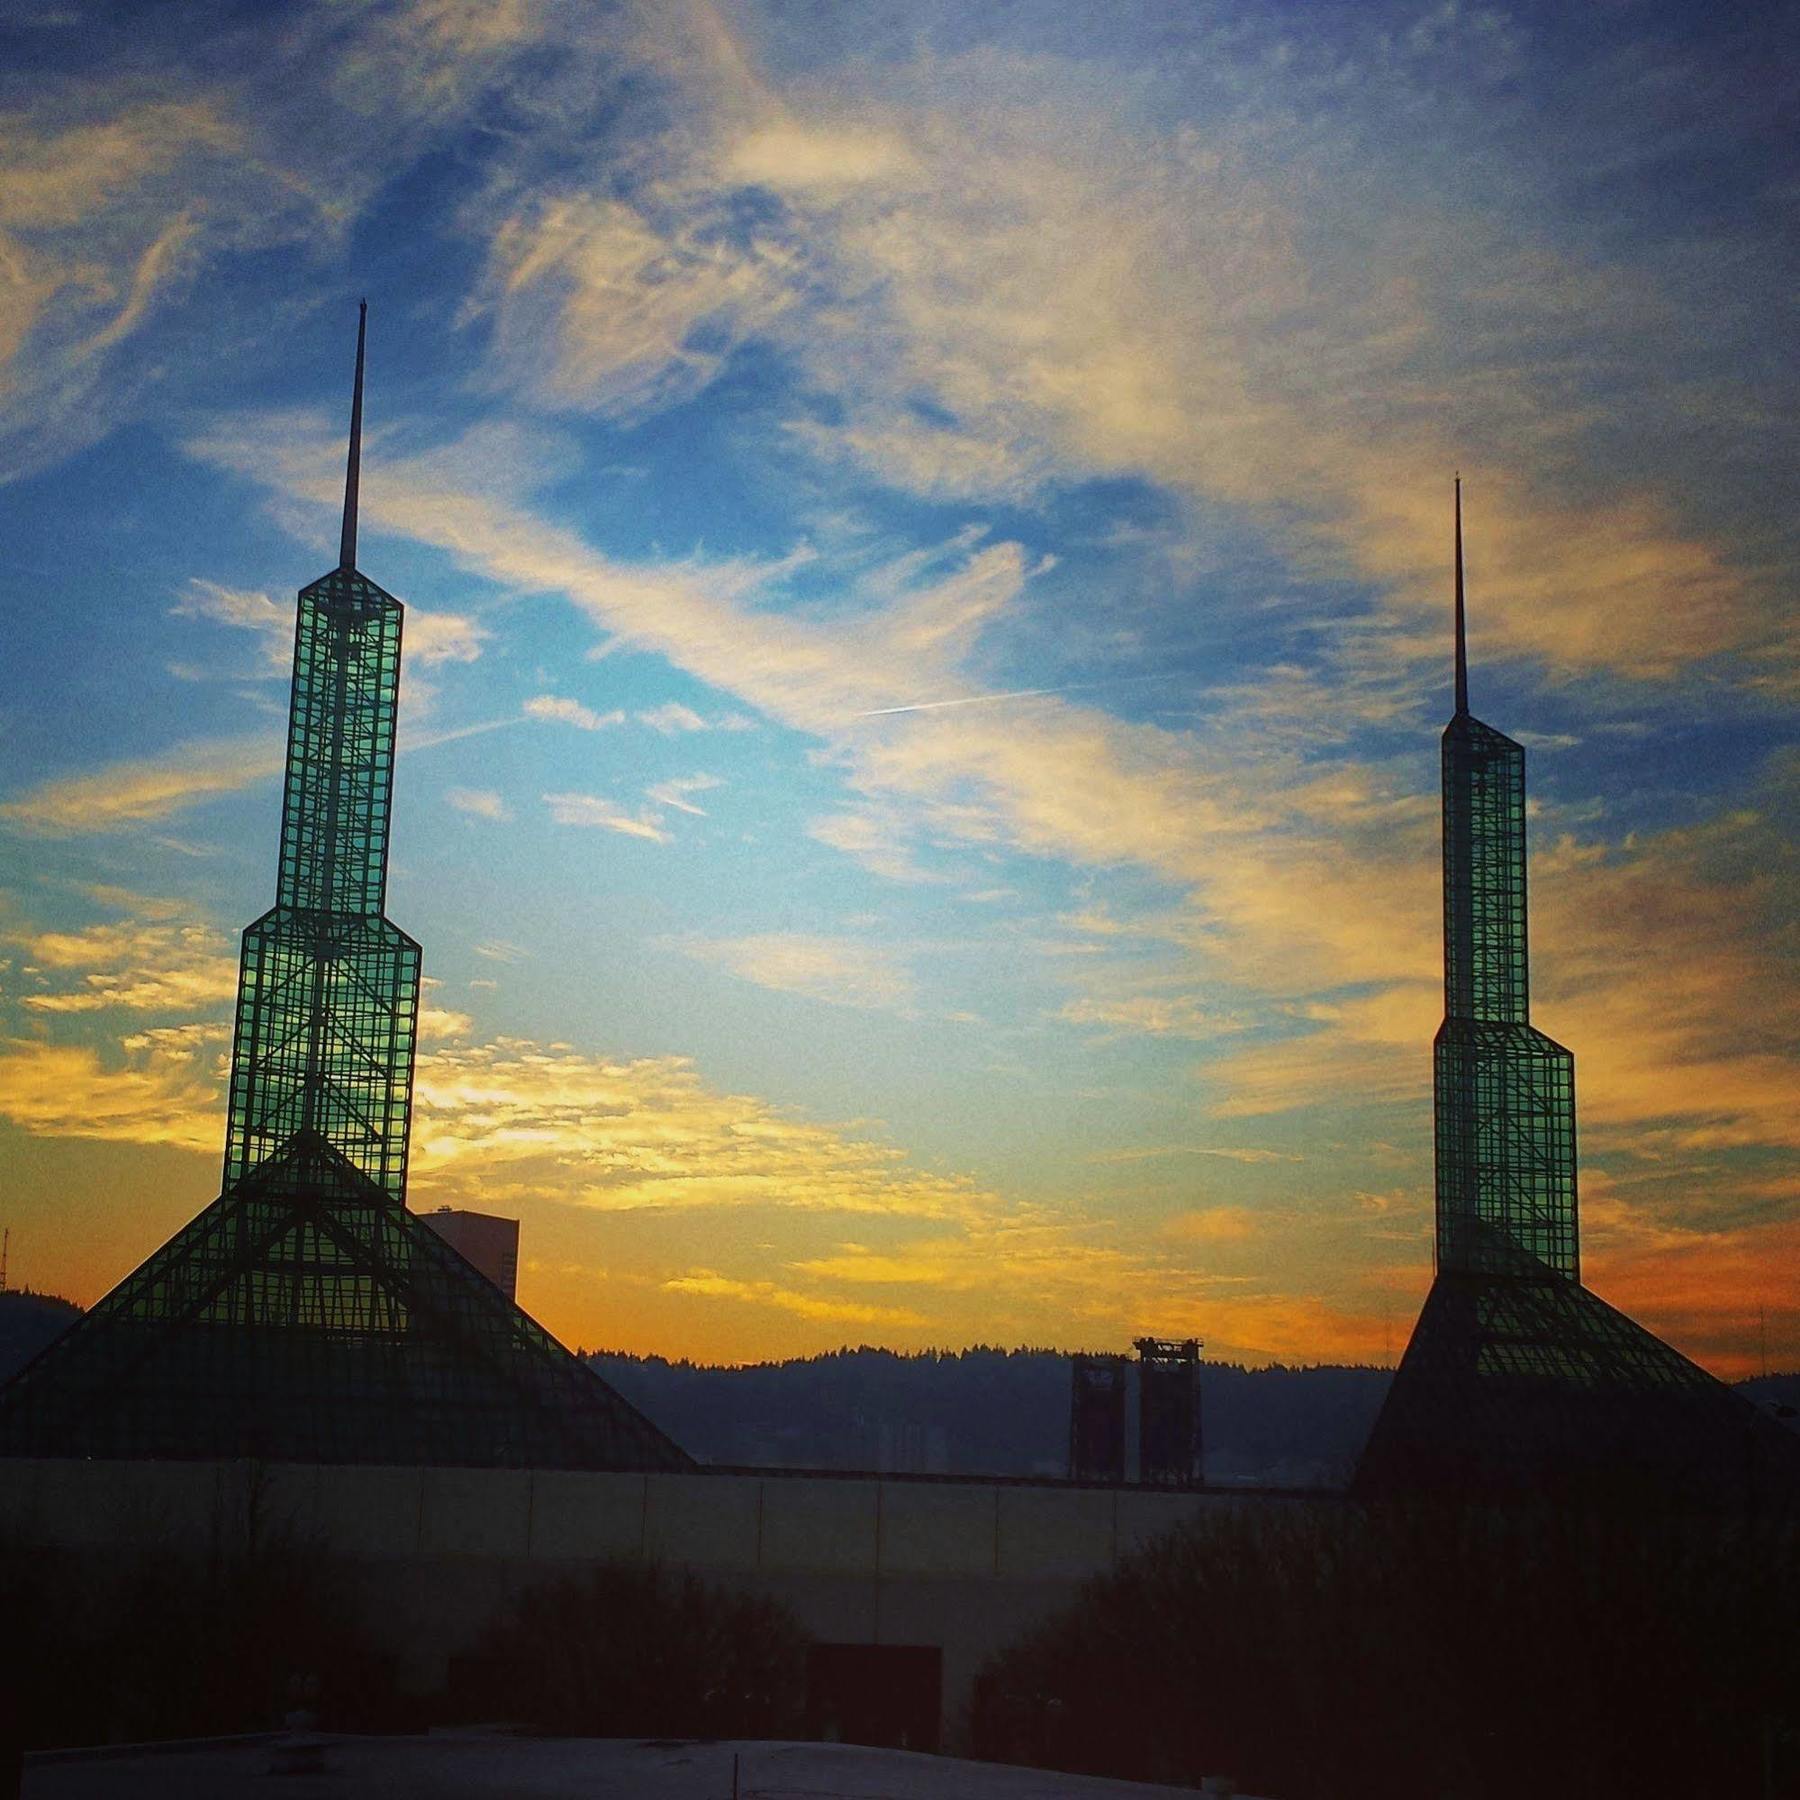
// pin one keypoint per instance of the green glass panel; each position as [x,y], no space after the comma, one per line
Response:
[1504,1093]
[328,989]
[1486,973]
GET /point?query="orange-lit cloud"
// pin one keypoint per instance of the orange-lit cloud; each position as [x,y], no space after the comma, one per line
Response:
[1721,1296]
[993,275]
[712,1285]
[1214,1225]
[160,1097]
[1301,882]
[160,966]
[649,1133]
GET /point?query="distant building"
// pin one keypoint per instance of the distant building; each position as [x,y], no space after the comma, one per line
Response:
[1169,1449]
[1097,1418]
[485,1241]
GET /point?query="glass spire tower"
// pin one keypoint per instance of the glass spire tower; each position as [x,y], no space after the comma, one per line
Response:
[1504,1092]
[328,988]
[306,1315]
[1518,1382]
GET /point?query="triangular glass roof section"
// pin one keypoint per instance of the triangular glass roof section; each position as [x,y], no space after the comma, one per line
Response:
[306,1315]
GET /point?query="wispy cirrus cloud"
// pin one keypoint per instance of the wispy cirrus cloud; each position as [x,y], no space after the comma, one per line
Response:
[672,718]
[1050,287]
[839,971]
[1697,1056]
[1200,275]
[97,227]
[243,609]
[563,710]
[1156,1015]
[478,803]
[142,789]
[120,190]
[676,792]
[876,839]
[433,638]
[600,814]
[430,637]
[1304,881]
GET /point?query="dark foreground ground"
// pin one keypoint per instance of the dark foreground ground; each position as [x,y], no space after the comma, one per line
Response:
[501,1768]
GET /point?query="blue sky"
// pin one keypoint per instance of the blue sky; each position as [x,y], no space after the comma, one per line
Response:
[925,532]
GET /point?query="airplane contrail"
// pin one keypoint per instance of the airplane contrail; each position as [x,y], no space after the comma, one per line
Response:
[1073,687]
[881,712]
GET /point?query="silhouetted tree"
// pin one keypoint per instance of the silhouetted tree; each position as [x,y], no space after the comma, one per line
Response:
[627,1650]
[1329,1652]
[143,1644]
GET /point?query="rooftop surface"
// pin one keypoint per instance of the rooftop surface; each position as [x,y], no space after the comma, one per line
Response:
[459,1767]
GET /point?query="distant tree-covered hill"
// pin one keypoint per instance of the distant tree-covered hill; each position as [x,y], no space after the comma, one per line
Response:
[985,1411]
[28,1322]
[980,1411]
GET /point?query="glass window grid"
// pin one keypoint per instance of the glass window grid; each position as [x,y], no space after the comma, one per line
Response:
[306,1315]
[1504,1093]
[1486,962]
[1505,1144]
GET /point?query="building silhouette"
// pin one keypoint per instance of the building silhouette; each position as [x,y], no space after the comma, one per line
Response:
[1518,1380]
[306,1314]
[1097,1417]
[1504,1092]
[484,1241]
[1169,1448]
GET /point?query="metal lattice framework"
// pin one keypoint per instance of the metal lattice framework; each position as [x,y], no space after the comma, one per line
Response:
[328,990]
[306,1315]
[1518,1381]
[1486,966]
[1505,1128]
[1504,1092]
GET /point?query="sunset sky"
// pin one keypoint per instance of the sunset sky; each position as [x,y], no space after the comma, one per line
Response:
[925,531]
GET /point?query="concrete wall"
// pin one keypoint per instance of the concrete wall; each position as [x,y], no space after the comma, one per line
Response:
[965,1565]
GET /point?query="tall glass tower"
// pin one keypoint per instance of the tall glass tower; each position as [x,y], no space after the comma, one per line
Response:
[328,988]
[306,1315]
[1518,1382]
[1504,1092]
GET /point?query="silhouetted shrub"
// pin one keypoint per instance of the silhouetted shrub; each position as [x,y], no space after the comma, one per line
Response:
[1334,1651]
[626,1650]
[126,1646]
